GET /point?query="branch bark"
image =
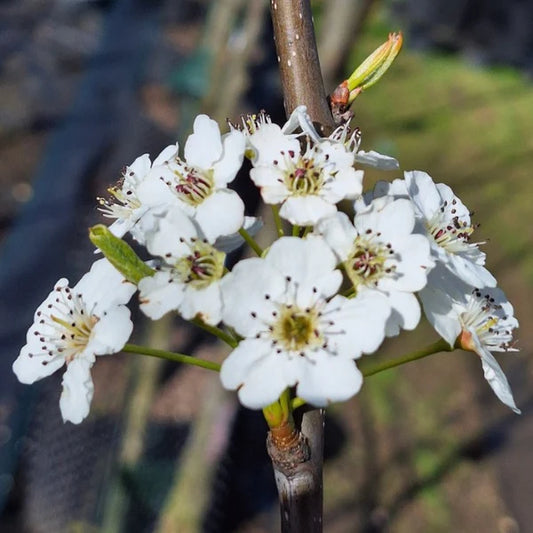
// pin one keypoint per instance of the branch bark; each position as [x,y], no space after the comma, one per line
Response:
[298,466]
[299,65]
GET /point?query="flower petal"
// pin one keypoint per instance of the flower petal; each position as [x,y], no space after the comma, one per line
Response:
[495,377]
[111,332]
[222,213]
[205,304]
[160,294]
[77,393]
[30,369]
[204,146]
[328,379]
[255,370]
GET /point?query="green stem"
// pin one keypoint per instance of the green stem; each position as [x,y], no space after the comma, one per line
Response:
[440,346]
[251,242]
[171,356]
[296,231]
[277,220]
[217,332]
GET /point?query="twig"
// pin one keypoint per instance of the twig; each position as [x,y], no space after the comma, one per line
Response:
[298,468]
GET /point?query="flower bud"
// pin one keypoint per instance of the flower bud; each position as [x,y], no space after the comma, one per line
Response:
[120,254]
[374,66]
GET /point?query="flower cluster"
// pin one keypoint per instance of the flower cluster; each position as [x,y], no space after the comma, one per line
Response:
[305,309]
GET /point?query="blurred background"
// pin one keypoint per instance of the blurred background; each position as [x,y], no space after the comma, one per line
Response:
[86,87]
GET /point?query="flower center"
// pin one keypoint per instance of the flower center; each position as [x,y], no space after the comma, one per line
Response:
[368,261]
[448,230]
[122,203]
[303,177]
[297,329]
[489,322]
[192,186]
[67,326]
[202,266]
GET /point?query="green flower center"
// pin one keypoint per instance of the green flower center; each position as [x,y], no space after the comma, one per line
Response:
[367,262]
[297,329]
[202,266]
[192,186]
[304,178]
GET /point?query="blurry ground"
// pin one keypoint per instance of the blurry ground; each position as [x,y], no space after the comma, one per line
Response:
[425,448]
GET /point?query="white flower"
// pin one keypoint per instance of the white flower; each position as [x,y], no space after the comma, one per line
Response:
[125,205]
[480,320]
[307,183]
[379,252]
[198,184]
[188,279]
[445,220]
[293,334]
[71,327]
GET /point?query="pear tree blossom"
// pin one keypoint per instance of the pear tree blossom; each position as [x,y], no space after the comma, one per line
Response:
[379,252]
[189,273]
[301,313]
[73,326]
[124,204]
[445,220]
[296,331]
[198,184]
[304,317]
[477,320]
[307,181]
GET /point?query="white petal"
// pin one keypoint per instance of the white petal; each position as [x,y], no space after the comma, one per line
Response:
[111,332]
[376,160]
[228,243]
[222,213]
[103,286]
[204,146]
[423,192]
[166,155]
[405,312]
[361,320]
[225,170]
[306,210]
[77,393]
[174,231]
[205,304]
[495,377]
[347,184]
[439,310]
[307,262]
[255,370]
[244,292]
[328,379]
[154,192]
[338,232]
[31,369]
[159,294]
[269,144]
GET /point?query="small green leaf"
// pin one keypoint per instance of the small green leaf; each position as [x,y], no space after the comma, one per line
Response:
[120,254]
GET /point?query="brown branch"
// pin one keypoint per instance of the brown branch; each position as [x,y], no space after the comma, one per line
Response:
[298,466]
[299,66]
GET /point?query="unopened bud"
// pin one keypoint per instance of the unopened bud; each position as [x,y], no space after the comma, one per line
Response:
[120,254]
[374,66]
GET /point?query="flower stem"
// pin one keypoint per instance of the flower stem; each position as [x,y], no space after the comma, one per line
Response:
[277,220]
[251,242]
[217,332]
[296,231]
[171,356]
[440,346]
